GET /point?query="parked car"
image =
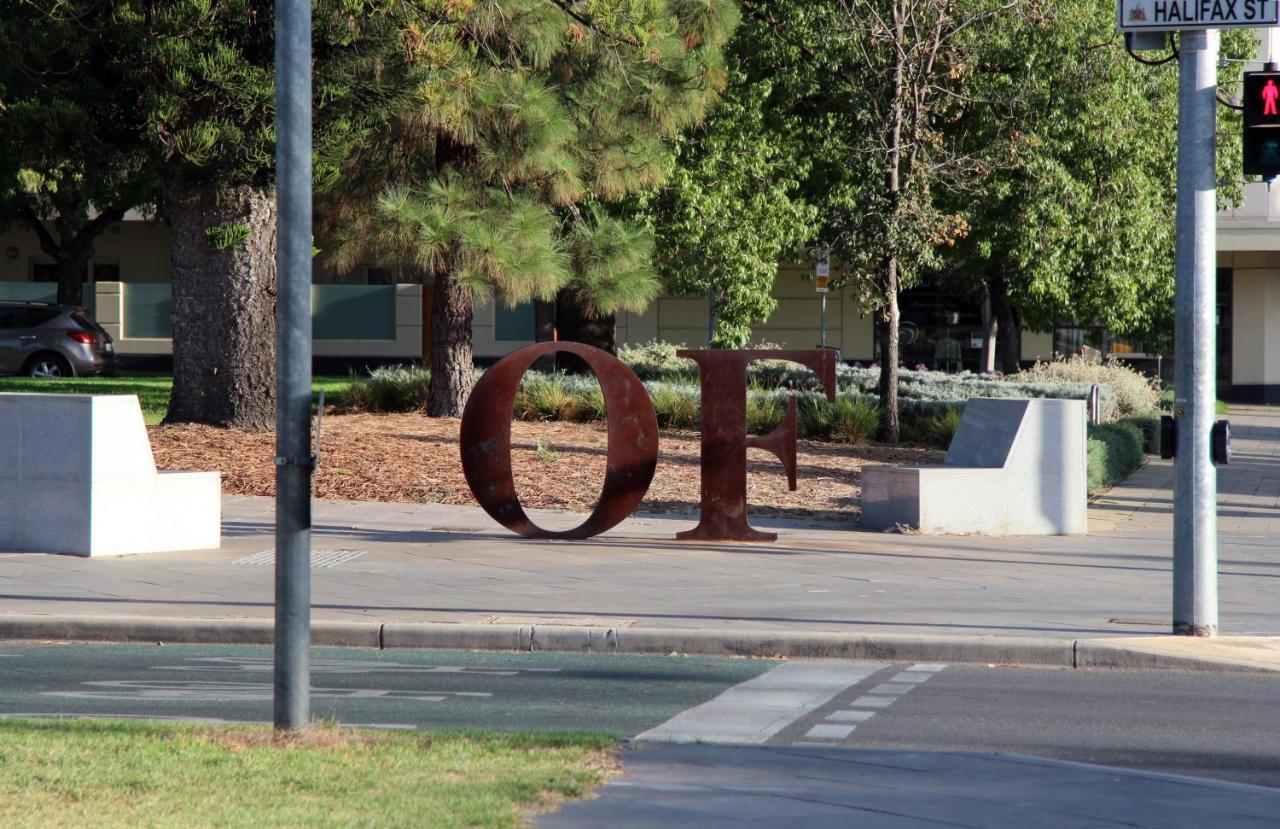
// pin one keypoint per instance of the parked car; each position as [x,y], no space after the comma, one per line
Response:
[40,339]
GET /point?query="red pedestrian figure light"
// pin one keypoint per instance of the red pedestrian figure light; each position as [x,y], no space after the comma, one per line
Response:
[1270,96]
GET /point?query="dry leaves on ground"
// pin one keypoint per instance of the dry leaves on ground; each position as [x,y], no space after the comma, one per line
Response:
[413,458]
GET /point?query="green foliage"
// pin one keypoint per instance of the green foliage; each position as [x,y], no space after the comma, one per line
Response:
[390,389]
[764,413]
[545,453]
[152,390]
[1132,392]
[73,155]
[1148,423]
[938,429]
[544,397]
[523,120]
[732,209]
[677,407]
[226,237]
[1115,451]
[1075,215]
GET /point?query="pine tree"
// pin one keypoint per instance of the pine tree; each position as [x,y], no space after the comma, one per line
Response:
[206,75]
[529,122]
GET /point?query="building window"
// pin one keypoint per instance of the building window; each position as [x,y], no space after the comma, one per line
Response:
[514,324]
[106,270]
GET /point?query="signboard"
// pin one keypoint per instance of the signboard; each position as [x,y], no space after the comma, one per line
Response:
[822,283]
[1177,15]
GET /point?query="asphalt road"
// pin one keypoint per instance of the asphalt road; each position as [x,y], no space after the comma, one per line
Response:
[1223,726]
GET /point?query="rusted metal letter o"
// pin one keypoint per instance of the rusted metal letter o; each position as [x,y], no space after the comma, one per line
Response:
[486,441]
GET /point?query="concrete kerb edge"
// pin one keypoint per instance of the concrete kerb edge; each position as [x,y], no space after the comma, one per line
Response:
[987,650]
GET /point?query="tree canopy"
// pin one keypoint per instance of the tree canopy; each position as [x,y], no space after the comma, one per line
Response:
[528,123]
[1075,217]
[72,154]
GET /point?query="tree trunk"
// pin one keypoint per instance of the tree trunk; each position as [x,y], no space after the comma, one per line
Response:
[72,265]
[224,300]
[890,427]
[1008,341]
[990,331]
[453,372]
[576,325]
[890,316]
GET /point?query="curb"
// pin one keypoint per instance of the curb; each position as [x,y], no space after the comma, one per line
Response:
[986,650]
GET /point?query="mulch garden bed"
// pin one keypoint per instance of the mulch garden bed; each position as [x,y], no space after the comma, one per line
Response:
[412,458]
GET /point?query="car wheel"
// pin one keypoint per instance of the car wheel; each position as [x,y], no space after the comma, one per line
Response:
[48,365]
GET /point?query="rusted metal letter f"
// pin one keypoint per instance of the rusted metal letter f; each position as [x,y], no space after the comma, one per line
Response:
[725,441]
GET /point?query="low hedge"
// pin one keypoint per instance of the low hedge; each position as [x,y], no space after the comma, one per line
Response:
[1115,451]
[1149,425]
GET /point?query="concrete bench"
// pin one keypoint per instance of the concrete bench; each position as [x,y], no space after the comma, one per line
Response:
[1015,467]
[77,476]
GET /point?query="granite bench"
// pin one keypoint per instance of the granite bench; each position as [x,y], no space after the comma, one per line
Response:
[77,476]
[1014,467]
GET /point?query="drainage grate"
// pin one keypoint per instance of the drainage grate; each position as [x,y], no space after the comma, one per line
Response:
[319,558]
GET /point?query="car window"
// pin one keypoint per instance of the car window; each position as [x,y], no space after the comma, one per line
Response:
[86,321]
[32,317]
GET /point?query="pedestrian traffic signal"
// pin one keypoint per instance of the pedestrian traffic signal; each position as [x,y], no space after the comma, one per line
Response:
[1262,124]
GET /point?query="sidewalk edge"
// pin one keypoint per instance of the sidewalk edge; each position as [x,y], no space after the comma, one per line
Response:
[988,650]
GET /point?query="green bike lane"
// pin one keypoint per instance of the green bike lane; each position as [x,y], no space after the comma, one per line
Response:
[622,695]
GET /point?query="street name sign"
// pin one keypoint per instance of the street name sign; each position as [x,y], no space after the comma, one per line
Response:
[1177,15]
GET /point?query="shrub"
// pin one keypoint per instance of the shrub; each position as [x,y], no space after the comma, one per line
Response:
[764,413]
[1115,451]
[391,389]
[676,406]
[854,419]
[1148,424]
[544,397]
[937,430]
[657,360]
[1131,391]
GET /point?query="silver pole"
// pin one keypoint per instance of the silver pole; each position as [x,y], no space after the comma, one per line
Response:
[824,321]
[1195,515]
[293,369]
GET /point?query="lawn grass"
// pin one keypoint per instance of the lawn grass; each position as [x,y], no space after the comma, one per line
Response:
[101,773]
[152,389]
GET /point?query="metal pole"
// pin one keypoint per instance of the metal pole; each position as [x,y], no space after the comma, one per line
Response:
[824,321]
[293,365]
[1195,509]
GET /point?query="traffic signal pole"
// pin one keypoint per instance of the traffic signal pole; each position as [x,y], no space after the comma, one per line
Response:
[1195,508]
[293,365]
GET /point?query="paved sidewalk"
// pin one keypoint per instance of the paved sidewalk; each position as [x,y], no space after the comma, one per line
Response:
[392,564]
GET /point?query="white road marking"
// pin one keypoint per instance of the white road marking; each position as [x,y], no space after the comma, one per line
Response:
[907,676]
[874,702]
[238,692]
[830,732]
[753,711]
[257,664]
[879,698]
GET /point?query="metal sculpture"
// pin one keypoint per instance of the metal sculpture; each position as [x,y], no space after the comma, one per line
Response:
[725,441]
[486,441]
[633,439]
